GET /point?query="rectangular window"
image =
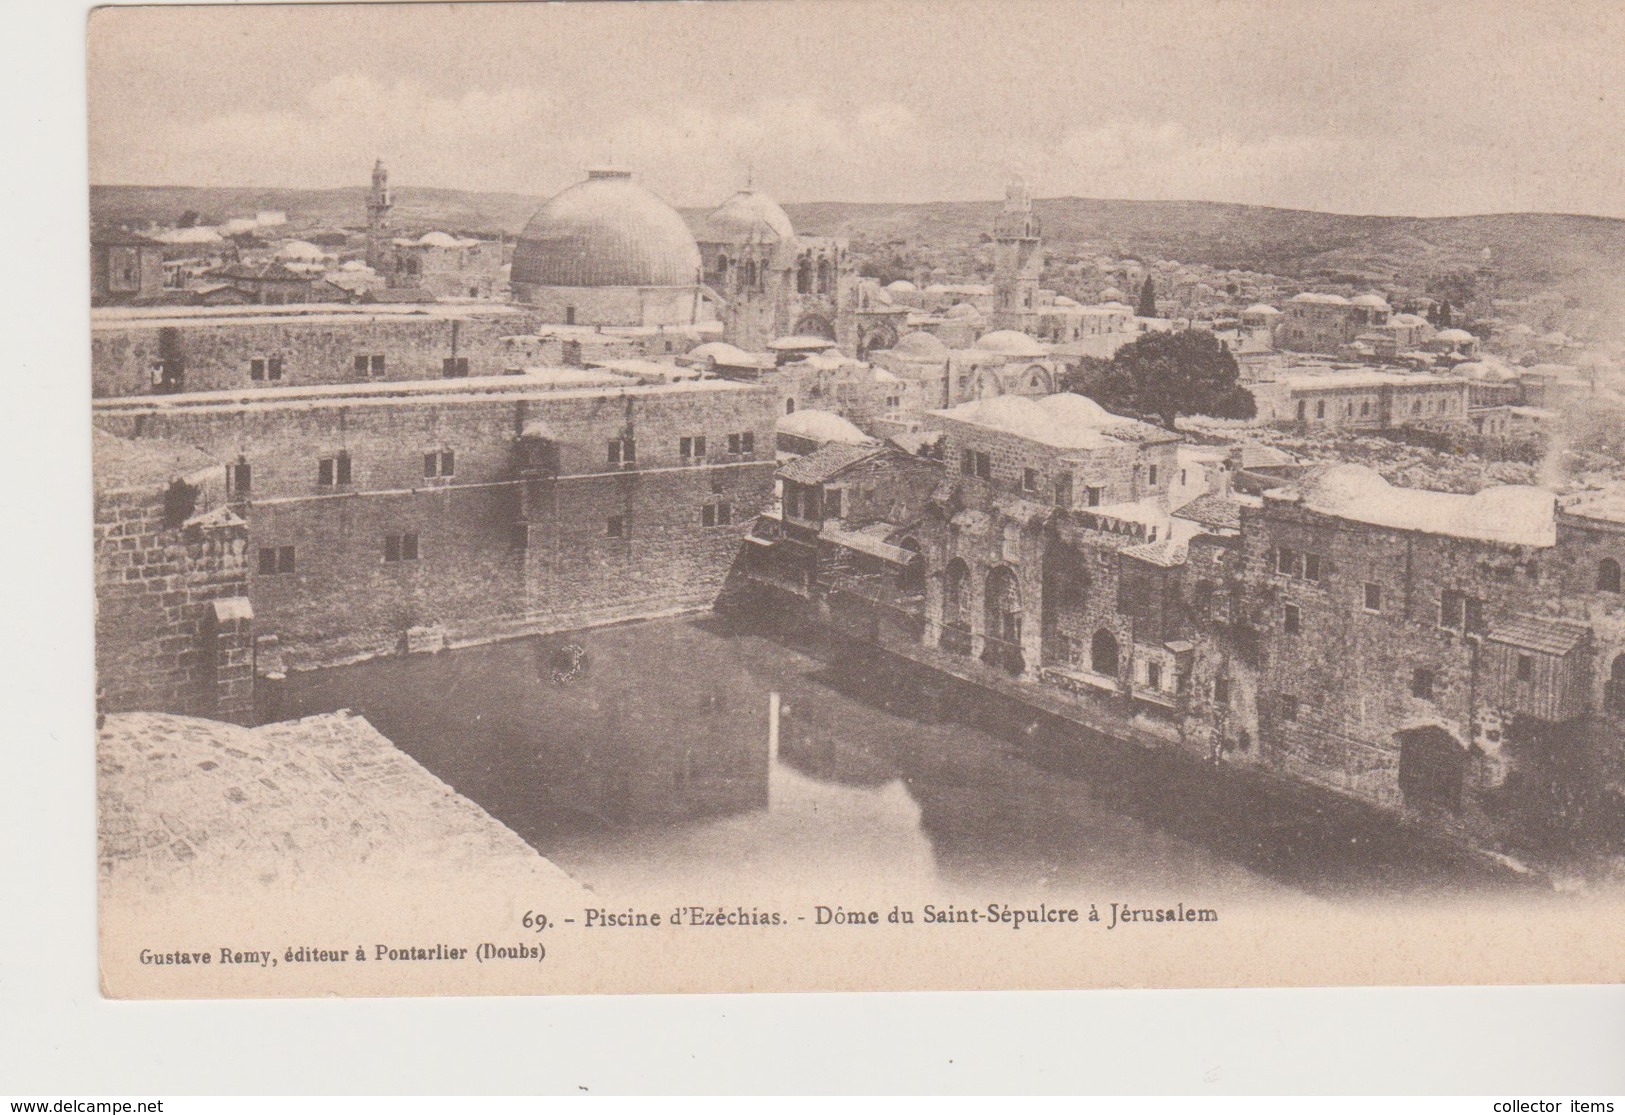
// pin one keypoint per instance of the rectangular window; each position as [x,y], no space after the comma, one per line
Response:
[256,368]
[1526,667]
[1094,495]
[1153,675]
[439,463]
[615,526]
[708,516]
[1287,562]
[623,453]
[377,365]
[276,559]
[324,472]
[792,501]
[1292,619]
[742,444]
[1029,480]
[832,503]
[1373,597]
[1151,476]
[454,367]
[360,365]
[333,471]
[1311,567]
[967,462]
[273,368]
[1063,490]
[239,479]
[401,547]
[1422,684]
[984,466]
[725,513]
[1320,410]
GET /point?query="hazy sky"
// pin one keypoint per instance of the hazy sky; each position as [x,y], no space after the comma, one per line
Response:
[1403,108]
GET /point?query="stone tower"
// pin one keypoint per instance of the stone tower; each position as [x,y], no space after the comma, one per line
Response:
[379,204]
[1018,259]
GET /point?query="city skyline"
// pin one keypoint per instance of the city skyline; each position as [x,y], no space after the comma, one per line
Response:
[1396,109]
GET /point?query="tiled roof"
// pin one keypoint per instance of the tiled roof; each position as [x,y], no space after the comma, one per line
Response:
[815,468]
[1166,553]
[1212,511]
[1541,633]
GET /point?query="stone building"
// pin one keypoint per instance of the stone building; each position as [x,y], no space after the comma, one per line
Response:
[404,516]
[1317,322]
[174,627]
[125,269]
[445,266]
[1360,399]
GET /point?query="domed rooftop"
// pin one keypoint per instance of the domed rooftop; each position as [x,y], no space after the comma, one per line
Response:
[921,346]
[748,217]
[1453,336]
[1411,320]
[606,232]
[720,352]
[1008,342]
[901,286]
[1111,294]
[1064,421]
[963,311]
[1063,300]
[1370,301]
[1316,298]
[1261,308]
[1077,410]
[824,427]
[299,249]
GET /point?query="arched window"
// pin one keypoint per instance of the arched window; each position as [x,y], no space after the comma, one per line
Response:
[750,273]
[722,267]
[1103,653]
[804,277]
[823,276]
[1608,575]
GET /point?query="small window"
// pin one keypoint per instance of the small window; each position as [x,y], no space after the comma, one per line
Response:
[623,453]
[439,463]
[1422,684]
[1151,476]
[1526,667]
[1029,480]
[1303,410]
[1311,567]
[691,448]
[725,513]
[1292,619]
[967,462]
[708,515]
[378,365]
[1287,562]
[1093,495]
[615,526]
[401,547]
[832,503]
[275,559]
[1153,675]
[789,406]
[273,368]
[360,365]
[1320,409]
[454,367]
[984,466]
[1608,575]
[256,368]
[239,479]
[1373,597]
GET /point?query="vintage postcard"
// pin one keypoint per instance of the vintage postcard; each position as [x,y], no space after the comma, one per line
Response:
[865,494]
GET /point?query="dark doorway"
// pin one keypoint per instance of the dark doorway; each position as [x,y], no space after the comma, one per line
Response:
[1431,768]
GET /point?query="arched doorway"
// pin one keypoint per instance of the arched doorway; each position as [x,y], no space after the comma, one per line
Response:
[1001,617]
[879,337]
[815,325]
[1432,767]
[956,607]
[1103,653]
[1613,696]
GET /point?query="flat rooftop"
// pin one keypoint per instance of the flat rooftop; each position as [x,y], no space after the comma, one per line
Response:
[548,383]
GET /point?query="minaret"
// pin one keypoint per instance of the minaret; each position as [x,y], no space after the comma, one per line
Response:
[1018,260]
[379,203]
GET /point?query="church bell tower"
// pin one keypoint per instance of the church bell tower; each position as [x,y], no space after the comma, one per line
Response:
[379,204]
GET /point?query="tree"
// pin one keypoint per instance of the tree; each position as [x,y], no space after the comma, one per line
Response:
[1148,299]
[1164,375]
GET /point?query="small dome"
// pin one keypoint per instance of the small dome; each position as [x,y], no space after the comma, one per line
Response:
[1454,336]
[1111,294]
[964,311]
[1065,302]
[1315,298]
[823,427]
[1076,410]
[749,216]
[1008,342]
[921,346]
[438,239]
[605,232]
[299,249]
[1370,302]
[1409,320]
[1262,310]
[901,286]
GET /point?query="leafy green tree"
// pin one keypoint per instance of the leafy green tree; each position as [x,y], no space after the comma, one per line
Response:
[1164,375]
[1148,299]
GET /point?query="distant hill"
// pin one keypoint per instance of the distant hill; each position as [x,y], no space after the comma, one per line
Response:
[1580,256]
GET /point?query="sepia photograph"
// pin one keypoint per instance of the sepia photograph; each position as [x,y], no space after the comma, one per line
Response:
[862,495]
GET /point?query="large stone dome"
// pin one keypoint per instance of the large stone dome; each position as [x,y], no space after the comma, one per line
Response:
[749,216]
[606,232]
